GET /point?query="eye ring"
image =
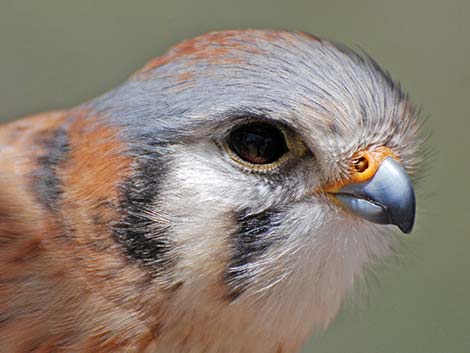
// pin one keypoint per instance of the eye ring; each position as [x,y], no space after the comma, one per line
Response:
[258,145]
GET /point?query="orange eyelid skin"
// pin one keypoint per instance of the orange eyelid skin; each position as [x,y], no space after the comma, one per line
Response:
[364,165]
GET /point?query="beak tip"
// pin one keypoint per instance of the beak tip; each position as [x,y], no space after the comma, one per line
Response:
[406,220]
[406,228]
[407,225]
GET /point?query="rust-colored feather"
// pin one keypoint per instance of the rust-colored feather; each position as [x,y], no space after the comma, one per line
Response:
[63,286]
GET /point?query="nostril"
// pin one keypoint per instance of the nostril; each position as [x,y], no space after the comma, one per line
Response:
[361,164]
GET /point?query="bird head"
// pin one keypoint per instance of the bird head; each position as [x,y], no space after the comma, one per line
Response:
[268,169]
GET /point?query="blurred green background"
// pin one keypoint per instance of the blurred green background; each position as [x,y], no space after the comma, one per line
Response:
[57,54]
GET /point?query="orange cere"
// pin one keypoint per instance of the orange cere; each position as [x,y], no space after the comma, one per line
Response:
[364,165]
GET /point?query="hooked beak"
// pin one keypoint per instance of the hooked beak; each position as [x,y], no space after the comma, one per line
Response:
[386,198]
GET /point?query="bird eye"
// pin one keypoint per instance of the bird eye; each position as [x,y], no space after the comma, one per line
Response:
[257,143]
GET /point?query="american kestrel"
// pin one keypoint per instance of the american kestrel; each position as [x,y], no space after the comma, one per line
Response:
[222,200]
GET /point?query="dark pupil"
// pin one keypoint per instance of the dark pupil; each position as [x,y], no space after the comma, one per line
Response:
[258,143]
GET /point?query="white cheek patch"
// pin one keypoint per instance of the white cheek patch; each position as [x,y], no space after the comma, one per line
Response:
[202,175]
[202,194]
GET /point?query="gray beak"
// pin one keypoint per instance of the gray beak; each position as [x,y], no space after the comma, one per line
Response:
[387,198]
